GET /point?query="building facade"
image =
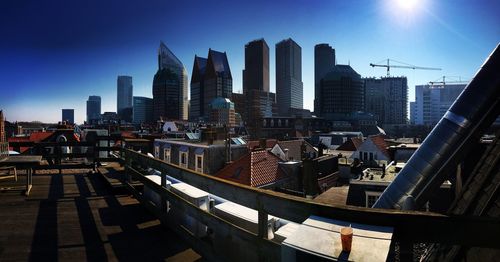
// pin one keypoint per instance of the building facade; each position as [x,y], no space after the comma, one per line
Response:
[170,100]
[256,72]
[93,109]
[68,115]
[341,93]
[143,110]
[197,88]
[222,112]
[432,102]
[218,81]
[124,91]
[3,137]
[387,99]
[289,86]
[324,61]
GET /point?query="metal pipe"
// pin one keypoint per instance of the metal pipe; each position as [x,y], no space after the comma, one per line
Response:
[450,140]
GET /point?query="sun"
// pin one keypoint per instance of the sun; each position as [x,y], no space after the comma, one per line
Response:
[407,5]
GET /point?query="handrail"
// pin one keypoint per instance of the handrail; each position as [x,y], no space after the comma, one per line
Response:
[409,226]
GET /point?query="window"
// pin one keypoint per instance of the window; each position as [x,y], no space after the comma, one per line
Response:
[166,155]
[371,156]
[371,197]
[157,151]
[360,155]
[199,163]
[365,156]
[183,159]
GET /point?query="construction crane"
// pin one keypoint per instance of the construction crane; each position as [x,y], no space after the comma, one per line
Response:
[405,65]
[444,82]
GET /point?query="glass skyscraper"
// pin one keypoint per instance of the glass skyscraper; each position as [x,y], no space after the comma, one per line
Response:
[197,88]
[124,90]
[170,100]
[68,115]
[289,86]
[143,110]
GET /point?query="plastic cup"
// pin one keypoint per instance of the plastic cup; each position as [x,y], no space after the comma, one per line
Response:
[346,237]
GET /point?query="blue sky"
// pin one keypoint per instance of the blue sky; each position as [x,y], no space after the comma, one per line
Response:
[54,54]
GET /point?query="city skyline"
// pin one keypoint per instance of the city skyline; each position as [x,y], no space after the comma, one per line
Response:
[454,36]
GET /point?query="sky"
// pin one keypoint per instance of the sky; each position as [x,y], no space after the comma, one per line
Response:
[55,53]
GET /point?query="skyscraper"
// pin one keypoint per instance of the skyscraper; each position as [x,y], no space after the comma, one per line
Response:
[68,115]
[170,100]
[2,128]
[256,72]
[324,61]
[124,97]
[197,88]
[387,99]
[143,110]
[341,93]
[93,109]
[289,87]
[218,81]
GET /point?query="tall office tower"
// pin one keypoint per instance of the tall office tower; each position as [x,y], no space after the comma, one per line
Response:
[2,128]
[197,88]
[432,102]
[324,61]
[93,109]
[341,93]
[170,100]
[289,87]
[68,115]
[124,98]
[256,72]
[258,101]
[387,99]
[142,110]
[218,81]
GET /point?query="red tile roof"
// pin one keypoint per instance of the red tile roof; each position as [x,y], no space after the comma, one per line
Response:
[380,143]
[254,169]
[34,137]
[294,148]
[351,144]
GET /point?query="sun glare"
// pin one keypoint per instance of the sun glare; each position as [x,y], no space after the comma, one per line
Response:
[408,5]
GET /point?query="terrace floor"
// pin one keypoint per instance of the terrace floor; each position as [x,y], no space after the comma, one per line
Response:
[75,216]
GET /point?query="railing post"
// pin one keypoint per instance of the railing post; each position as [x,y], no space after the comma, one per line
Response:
[263,230]
[163,204]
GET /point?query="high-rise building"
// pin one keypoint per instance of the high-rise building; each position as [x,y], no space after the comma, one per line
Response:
[170,100]
[142,110]
[324,61]
[222,112]
[258,102]
[341,93]
[2,128]
[256,72]
[218,81]
[289,87]
[124,90]
[387,99]
[432,102]
[68,115]
[93,109]
[197,88]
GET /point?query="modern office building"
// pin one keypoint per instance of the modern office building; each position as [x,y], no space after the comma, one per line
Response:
[387,99]
[170,99]
[256,72]
[68,115]
[197,88]
[341,93]
[124,90]
[432,102]
[218,81]
[289,87]
[93,109]
[324,61]
[142,110]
